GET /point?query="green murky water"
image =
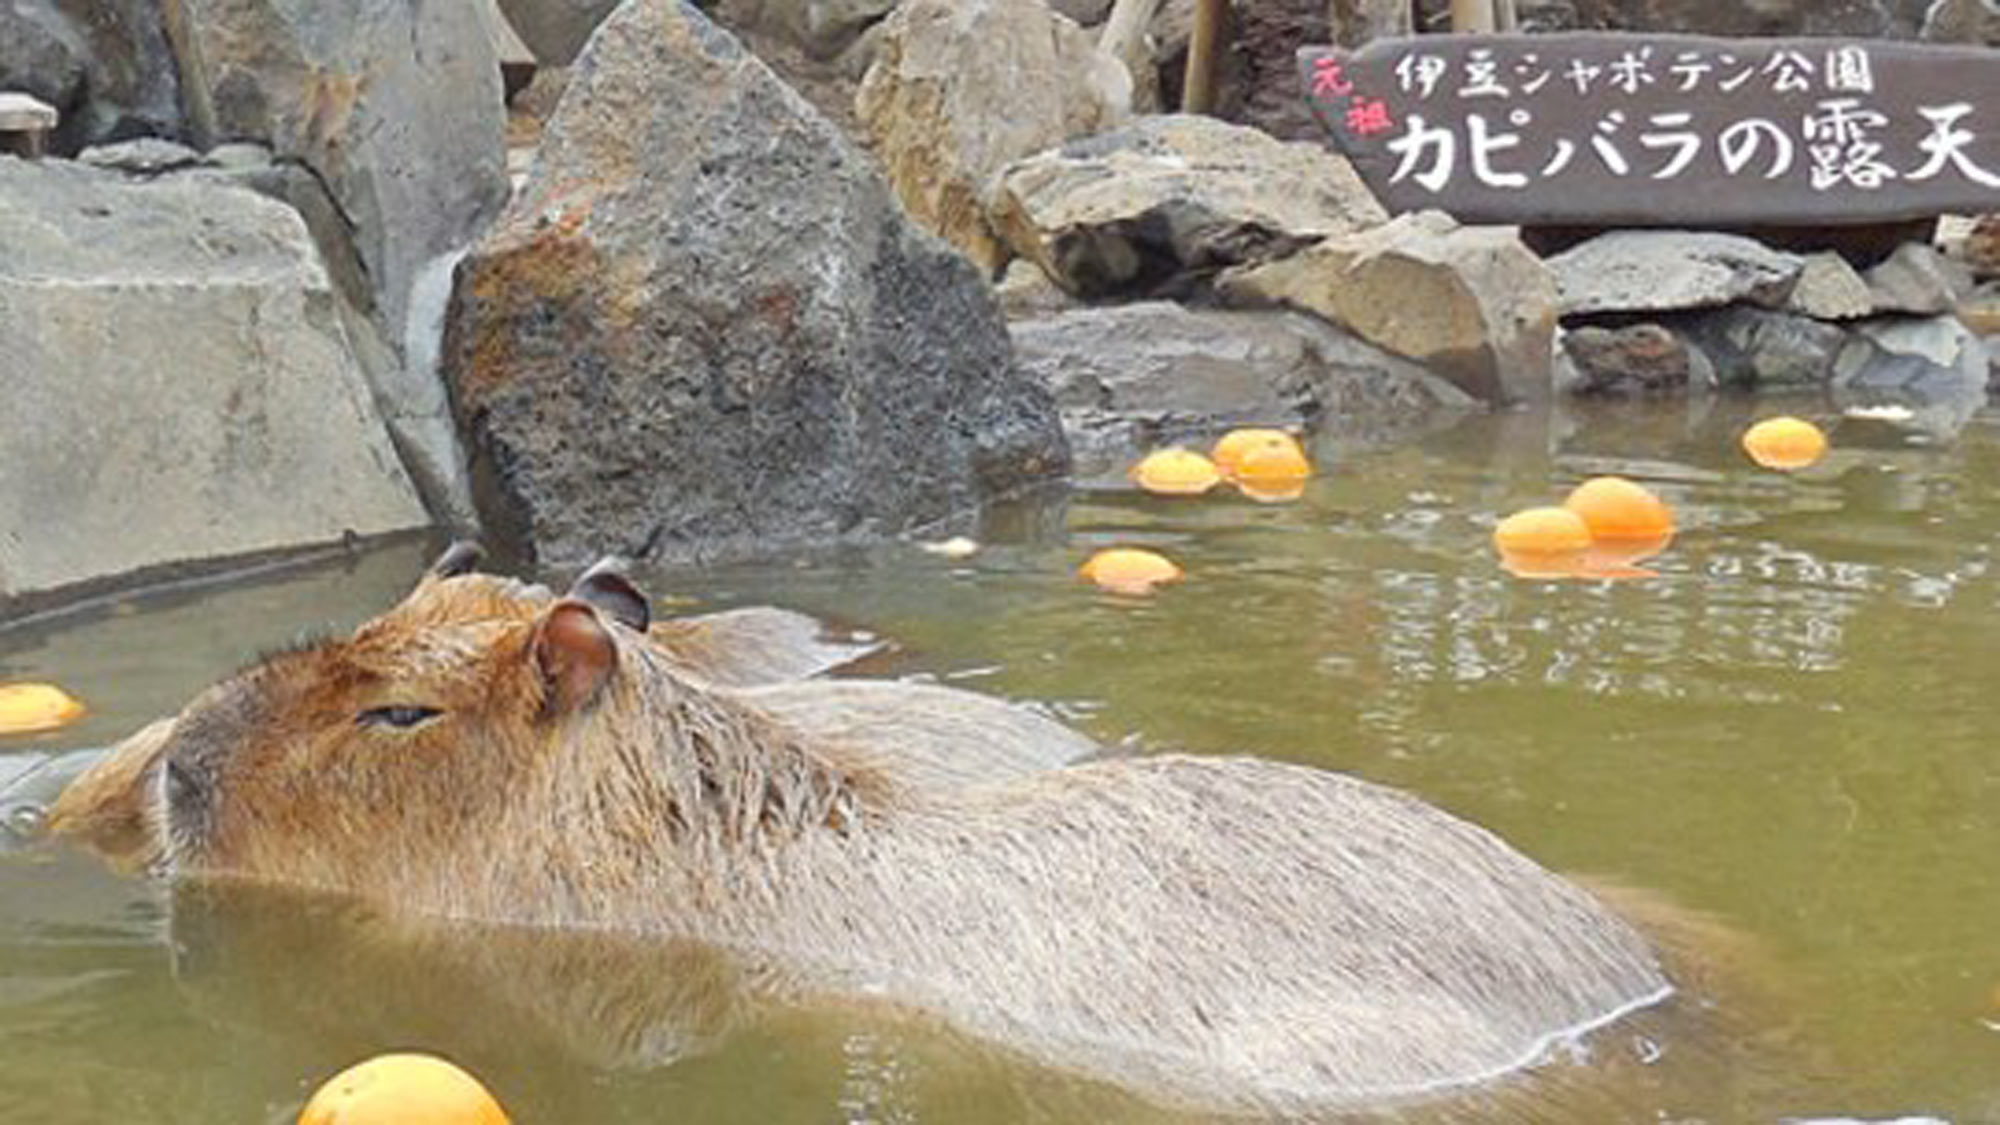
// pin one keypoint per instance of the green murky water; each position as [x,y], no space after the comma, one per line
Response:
[1790,728]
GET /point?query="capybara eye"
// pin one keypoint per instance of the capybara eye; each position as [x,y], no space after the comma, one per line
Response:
[402,718]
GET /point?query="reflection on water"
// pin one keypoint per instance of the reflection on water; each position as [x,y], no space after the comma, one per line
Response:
[1787,727]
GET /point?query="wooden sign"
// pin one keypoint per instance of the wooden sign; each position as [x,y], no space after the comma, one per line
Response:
[1654,130]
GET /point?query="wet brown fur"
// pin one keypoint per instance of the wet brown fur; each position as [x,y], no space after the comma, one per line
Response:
[1220,932]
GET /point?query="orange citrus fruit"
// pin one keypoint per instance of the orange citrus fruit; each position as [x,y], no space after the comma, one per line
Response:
[1230,450]
[1130,570]
[25,708]
[1784,443]
[402,1090]
[1542,531]
[1273,471]
[1616,508]
[1176,472]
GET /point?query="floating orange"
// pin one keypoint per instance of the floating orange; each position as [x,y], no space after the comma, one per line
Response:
[1620,558]
[402,1090]
[1784,443]
[1616,508]
[1542,531]
[25,708]
[1176,472]
[1233,446]
[1273,471]
[1130,570]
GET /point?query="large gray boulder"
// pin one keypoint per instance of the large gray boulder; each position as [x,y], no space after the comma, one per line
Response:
[1165,202]
[397,106]
[928,105]
[1659,271]
[180,388]
[1129,378]
[1470,303]
[705,327]
[105,65]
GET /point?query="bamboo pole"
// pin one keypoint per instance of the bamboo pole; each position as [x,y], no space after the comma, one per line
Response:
[1205,48]
[1472,16]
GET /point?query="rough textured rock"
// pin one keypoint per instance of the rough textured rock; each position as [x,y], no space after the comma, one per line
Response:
[555,30]
[705,327]
[104,64]
[1470,303]
[1161,204]
[1940,341]
[397,106]
[1025,291]
[147,156]
[1917,280]
[179,384]
[1637,359]
[1963,21]
[1982,247]
[1133,377]
[929,108]
[1980,310]
[1084,13]
[1829,289]
[823,28]
[1654,271]
[1754,347]
[1935,369]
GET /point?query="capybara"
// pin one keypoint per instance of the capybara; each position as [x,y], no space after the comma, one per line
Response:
[1227,933]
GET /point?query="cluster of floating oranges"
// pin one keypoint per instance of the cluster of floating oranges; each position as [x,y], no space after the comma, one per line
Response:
[1603,530]
[1609,524]
[402,1089]
[1265,465]
[1268,466]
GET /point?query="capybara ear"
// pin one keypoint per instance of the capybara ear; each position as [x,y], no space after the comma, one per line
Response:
[605,586]
[575,654]
[459,558]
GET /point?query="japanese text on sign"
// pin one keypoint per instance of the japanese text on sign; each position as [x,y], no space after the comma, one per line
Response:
[1597,125]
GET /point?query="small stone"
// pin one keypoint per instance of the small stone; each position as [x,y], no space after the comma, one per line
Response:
[1761,348]
[237,155]
[1830,289]
[1981,249]
[956,547]
[1980,310]
[25,113]
[1640,358]
[147,156]
[1917,280]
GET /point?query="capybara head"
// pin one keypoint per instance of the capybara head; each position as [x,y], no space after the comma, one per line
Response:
[326,764]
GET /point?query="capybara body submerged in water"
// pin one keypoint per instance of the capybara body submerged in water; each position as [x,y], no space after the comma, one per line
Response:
[1229,933]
